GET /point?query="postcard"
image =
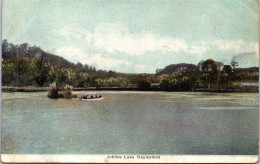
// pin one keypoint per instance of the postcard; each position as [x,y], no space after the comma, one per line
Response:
[130,81]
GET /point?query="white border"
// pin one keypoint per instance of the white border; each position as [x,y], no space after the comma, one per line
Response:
[24,158]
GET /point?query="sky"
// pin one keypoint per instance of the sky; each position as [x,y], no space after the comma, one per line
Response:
[136,36]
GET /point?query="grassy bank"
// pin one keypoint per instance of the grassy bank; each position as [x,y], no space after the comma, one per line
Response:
[23,89]
[244,89]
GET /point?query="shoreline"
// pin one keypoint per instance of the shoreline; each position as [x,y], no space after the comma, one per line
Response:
[44,89]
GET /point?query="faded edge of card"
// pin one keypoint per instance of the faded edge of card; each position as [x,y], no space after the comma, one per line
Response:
[26,158]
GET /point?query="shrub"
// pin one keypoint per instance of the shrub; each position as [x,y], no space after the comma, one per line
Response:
[67,92]
[53,92]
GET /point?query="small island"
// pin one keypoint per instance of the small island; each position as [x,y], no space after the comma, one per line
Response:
[61,91]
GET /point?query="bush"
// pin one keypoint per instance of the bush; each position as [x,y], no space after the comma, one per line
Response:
[67,94]
[53,94]
[143,85]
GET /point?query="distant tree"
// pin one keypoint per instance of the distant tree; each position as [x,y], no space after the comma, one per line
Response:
[79,65]
[86,66]
[23,50]
[183,80]
[36,53]
[5,49]
[43,68]
[199,65]
[226,76]
[143,85]
[234,64]
[8,72]
[81,80]
[111,73]
[26,70]
[227,69]
[43,73]
[165,84]
[210,72]
[62,76]
[158,70]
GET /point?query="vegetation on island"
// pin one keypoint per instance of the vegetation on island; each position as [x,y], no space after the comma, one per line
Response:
[60,91]
[25,65]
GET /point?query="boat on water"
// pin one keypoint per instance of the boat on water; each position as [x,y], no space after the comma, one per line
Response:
[91,99]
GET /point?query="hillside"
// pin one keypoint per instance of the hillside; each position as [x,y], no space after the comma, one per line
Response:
[176,67]
[24,50]
[25,65]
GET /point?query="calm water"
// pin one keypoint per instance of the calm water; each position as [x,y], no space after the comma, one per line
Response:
[131,123]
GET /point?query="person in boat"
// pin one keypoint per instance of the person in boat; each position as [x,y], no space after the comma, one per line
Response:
[96,96]
[91,97]
[99,96]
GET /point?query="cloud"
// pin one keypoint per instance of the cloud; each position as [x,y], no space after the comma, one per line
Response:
[71,53]
[115,37]
[142,68]
[73,31]
[237,46]
[197,50]
[105,63]
[228,44]
[255,48]
[78,55]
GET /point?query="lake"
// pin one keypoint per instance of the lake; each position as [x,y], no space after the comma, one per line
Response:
[131,123]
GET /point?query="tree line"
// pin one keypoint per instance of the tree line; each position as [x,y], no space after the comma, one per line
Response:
[25,65]
[209,75]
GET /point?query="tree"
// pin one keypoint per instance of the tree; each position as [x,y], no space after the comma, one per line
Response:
[111,73]
[165,84]
[226,75]
[199,65]
[227,69]
[8,72]
[234,64]
[23,50]
[210,72]
[43,69]
[81,80]
[143,85]
[25,70]
[158,70]
[43,73]
[5,49]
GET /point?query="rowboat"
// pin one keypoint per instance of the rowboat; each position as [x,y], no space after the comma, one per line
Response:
[91,99]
